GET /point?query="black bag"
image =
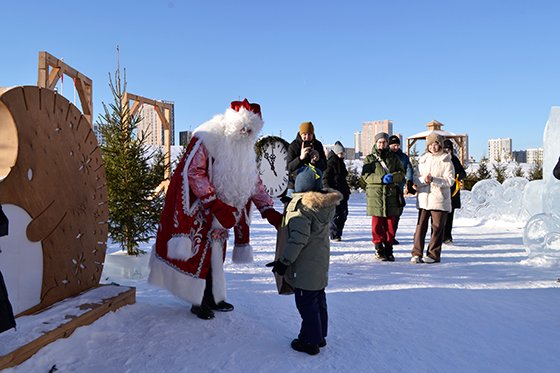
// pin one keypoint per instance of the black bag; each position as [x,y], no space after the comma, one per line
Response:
[3,223]
[7,320]
[281,238]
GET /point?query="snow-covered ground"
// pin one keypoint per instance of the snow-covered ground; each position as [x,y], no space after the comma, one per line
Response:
[484,308]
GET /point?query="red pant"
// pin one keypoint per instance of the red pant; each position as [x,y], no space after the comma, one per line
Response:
[383,229]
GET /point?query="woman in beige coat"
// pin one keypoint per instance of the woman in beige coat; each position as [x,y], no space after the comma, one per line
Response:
[433,176]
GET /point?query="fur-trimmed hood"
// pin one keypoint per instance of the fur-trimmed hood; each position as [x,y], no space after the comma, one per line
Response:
[318,200]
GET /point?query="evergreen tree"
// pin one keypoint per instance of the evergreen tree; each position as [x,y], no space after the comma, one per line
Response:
[483,172]
[470,180]
[517,171]
[353,178]
[413,156]
[500,170]
[536,172]
[133,173]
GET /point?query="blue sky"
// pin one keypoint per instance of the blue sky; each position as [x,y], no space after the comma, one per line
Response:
[485,68]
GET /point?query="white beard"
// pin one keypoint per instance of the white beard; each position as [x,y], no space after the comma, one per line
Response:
[230,142]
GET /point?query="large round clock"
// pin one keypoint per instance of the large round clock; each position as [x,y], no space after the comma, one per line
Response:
[272,158]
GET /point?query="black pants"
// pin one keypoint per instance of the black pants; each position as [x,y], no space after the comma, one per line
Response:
[340,216]
[397,219]
[312,307]
[208,298]
[448,226]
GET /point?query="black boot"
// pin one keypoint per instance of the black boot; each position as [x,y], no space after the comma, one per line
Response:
[202,312]
[309,348]
[380,252]
[389,252]
[222,306]
[208,298]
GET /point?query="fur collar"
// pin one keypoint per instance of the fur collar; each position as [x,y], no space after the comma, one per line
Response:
[317,200]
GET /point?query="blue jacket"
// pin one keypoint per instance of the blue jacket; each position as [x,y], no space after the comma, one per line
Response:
[408,170]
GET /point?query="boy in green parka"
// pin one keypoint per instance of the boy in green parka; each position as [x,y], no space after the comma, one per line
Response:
[305,261]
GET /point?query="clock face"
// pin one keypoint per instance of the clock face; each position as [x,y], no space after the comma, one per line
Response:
[272,168]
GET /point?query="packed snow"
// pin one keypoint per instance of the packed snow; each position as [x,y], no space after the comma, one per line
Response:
[487,307]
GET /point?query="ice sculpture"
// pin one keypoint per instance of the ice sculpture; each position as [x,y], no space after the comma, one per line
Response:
[541,234]
[535,204]
[551,136]
[491,200]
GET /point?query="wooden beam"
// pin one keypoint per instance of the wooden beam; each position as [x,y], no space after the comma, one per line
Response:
[48,78]
[53,78]
[69,320]
[163,111]
[135,108]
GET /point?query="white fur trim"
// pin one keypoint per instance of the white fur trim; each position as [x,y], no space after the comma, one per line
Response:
[179,247]
[218,277]
[187,208]
[242,254]
[180,284]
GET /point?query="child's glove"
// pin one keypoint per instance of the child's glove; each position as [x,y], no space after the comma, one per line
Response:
[223,212]
[388,179]
[278,267]
[273,217]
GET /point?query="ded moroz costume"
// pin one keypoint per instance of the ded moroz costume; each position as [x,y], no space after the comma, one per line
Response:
[209,191]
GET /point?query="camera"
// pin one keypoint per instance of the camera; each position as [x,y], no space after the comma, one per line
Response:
[307,144]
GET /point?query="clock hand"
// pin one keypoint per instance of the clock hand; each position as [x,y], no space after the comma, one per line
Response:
[272,161]
[270,158]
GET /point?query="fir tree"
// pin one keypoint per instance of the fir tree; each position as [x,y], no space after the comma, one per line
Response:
[536,171]
[413,156]
[133,173]
[470,180]
[483,172]
[500,171]
[517,171]
[353,178]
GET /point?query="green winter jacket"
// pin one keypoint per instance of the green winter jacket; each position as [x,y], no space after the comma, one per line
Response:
[307,250]
[382,199]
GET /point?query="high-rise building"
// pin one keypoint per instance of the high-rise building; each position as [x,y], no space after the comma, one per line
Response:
[151,126]
[185,137]
[358,143]
[499,150]
[535,155]
[98,134]
[520,156]
[372,128]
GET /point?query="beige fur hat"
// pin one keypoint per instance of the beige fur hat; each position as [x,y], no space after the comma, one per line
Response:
[434,137]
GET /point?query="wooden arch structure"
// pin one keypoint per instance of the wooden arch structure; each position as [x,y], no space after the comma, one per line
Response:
[51,69]
[163,111]
[435,126]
